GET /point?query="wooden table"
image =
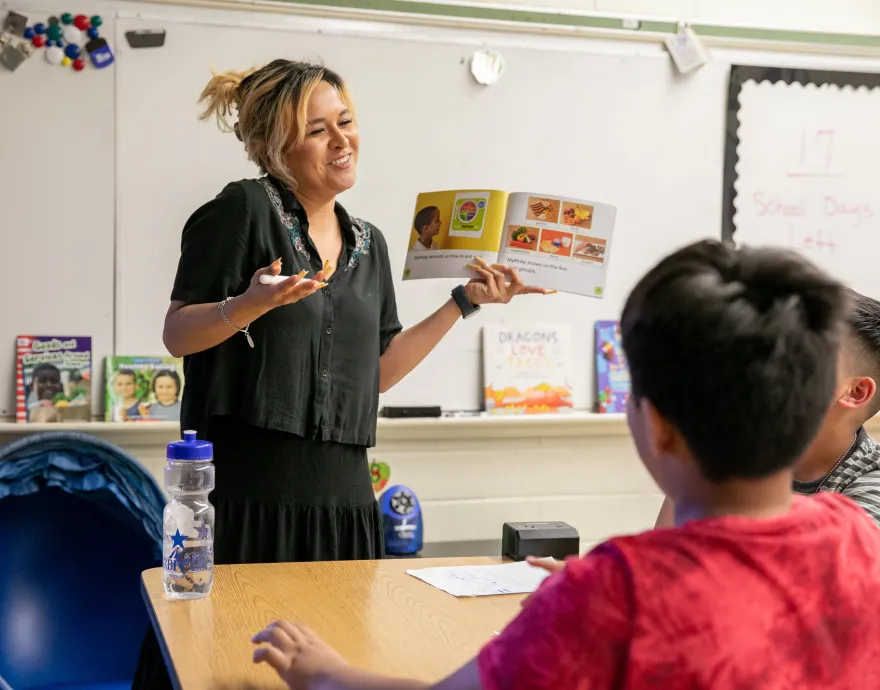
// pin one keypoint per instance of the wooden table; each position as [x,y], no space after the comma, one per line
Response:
[378,617]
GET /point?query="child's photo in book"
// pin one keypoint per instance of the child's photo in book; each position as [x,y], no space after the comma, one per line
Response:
[426,226]
[143,389]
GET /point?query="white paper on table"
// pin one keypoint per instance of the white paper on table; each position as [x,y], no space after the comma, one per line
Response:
[483,580]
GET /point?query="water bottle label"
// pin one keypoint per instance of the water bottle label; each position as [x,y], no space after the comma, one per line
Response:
[189,554]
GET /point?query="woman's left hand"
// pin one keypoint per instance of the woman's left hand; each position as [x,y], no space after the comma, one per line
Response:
[298,655]
[497,284]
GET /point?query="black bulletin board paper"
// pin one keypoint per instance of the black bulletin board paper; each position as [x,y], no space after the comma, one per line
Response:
[739,75]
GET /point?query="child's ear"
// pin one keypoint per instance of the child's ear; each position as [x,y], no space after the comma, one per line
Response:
[859,392]
[660,433]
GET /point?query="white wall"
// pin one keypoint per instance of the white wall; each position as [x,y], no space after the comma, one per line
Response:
[853,16]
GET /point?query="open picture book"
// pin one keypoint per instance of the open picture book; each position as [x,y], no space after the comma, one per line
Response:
[553,242]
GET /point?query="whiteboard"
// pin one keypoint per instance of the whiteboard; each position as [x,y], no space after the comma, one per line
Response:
[807,173]
[604,119]
[56,210]
[619,129]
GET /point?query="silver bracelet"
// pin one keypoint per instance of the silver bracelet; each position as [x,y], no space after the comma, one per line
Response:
[222,308]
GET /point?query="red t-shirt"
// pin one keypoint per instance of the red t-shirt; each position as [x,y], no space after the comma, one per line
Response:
[728,603]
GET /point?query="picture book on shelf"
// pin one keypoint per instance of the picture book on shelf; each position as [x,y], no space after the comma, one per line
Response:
[553,242]
[53,378]
[612,374]
[143,389]
[527,368]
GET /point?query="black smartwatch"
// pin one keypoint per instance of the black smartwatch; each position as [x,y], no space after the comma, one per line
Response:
[460,297]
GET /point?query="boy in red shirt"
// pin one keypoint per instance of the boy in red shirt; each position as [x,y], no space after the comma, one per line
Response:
[732,356]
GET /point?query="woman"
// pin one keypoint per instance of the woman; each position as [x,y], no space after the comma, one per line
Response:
[284,378]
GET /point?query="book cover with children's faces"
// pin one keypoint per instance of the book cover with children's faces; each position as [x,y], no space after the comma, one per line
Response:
[53,379]
[143,389]
[612,374]
[450,228]
[527,368]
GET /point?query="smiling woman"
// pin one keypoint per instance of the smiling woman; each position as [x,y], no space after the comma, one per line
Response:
[283,376]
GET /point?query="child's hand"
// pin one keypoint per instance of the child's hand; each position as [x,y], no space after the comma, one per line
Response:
[298,655]
[551,566]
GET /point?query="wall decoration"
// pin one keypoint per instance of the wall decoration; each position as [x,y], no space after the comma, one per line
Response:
[487,67]
[380,473]
[14,50]
[68,39]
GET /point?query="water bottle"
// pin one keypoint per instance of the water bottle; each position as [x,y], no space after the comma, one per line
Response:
[188,522]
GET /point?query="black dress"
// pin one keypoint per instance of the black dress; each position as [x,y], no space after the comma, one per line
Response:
[281,497]
[291,418]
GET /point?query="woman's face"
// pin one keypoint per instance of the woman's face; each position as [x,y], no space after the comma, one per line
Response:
[123,386]
[325,164]
[166,390]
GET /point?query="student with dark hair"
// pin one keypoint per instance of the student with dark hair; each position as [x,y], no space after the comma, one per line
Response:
[842,457]
[427,225]
[733,357]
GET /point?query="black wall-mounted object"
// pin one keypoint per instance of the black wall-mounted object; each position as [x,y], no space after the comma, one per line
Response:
[146,38]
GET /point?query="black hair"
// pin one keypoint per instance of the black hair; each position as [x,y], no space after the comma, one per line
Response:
[424,217]
[169,373]
[864,332]
[45,366]
[737,349]
[126,372]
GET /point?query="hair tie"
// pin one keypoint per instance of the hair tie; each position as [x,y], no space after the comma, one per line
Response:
[237,131]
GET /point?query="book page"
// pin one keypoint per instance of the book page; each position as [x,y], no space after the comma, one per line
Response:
[483,580]
[449,229]
[558,243]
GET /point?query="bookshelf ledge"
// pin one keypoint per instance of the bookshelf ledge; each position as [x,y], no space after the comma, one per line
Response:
[575,424]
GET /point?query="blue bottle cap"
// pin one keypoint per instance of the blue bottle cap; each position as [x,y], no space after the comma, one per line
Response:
[190,448]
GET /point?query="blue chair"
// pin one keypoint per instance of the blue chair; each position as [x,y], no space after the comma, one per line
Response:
[79,521]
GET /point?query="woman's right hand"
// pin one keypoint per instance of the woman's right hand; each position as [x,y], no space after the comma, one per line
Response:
[289,290]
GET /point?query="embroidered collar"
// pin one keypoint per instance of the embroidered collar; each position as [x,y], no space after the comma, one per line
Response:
[356,233]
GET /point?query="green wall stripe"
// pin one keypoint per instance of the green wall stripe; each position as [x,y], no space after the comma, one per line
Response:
[550,18]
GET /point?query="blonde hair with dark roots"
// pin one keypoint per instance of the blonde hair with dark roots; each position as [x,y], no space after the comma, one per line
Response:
[271,102]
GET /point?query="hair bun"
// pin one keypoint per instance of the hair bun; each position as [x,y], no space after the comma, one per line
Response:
[220,97]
